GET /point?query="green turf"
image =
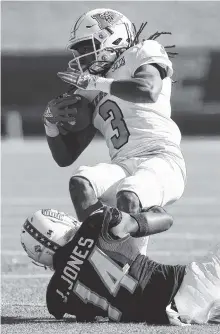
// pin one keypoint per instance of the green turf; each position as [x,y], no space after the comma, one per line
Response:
[31,180]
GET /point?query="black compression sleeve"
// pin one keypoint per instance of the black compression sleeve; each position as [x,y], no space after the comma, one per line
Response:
[143,227]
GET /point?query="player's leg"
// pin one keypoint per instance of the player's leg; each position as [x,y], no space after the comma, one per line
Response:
[156,181]
[88,184]
[83,197]
[127,199]
[198,299]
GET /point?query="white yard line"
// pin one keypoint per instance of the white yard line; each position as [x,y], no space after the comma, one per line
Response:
[175,236]
[17,276]
[10,252]
[13,201]
[24,305]
[155,252]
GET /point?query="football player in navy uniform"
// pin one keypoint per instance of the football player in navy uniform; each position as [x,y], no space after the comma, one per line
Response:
[99,271]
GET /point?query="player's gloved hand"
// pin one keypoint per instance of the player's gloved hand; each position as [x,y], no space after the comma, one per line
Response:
[86,80]
[60,113]
[80,80]
[61,109]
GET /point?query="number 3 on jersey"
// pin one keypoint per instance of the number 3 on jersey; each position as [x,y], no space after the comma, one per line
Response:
[109,108]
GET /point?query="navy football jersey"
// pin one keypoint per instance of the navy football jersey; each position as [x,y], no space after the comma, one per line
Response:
[96,275]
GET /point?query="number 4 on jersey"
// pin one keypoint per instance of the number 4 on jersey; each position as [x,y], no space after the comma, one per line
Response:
[111,274]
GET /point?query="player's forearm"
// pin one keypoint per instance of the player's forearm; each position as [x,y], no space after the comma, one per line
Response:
[67,148]
[57,145]
[59,151]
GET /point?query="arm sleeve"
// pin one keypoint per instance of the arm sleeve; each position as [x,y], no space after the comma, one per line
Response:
[66,149]
[152,52]
[54,301]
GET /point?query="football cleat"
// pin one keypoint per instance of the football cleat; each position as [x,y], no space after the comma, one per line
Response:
[44,232]
[108,32]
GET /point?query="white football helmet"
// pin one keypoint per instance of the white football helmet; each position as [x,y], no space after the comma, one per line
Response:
[45,232]
[110,32]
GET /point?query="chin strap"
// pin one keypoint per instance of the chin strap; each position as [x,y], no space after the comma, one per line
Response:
[39,265]
[42,266]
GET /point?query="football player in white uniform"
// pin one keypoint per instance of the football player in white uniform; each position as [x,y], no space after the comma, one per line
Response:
[129,83]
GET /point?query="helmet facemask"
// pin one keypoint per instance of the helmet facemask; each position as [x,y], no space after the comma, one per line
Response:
[102,60]
[107,43]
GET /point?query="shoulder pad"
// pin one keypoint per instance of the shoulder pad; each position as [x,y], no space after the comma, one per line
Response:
[152,52]
[152,49]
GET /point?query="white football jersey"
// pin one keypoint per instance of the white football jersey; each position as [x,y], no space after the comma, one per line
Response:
[138,129]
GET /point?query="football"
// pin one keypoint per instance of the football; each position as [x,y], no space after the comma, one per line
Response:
[82,111]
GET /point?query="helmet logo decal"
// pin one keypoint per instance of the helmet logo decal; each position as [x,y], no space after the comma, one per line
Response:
[106,19]
[53,214]
[42,239]
[49,232]
[37,249]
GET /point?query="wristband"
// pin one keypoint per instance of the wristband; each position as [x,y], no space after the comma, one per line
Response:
[51,129]
[143,228]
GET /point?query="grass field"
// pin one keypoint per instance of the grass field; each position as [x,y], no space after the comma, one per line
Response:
[31,180]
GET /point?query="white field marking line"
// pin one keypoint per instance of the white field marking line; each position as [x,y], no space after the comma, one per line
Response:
[23,305]
[17,276]
[65,201]
[175,236]
[13,252]
[188,236]
[153,252]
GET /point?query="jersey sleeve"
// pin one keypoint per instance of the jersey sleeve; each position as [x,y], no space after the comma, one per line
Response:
[152,52]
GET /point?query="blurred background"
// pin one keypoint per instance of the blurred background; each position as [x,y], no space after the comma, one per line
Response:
[34,39]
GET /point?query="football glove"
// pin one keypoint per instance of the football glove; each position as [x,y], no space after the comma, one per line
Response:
[78,79]
[86,80]
[61,110]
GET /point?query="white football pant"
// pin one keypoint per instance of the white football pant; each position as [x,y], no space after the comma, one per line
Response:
[198,299]
[156,181]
